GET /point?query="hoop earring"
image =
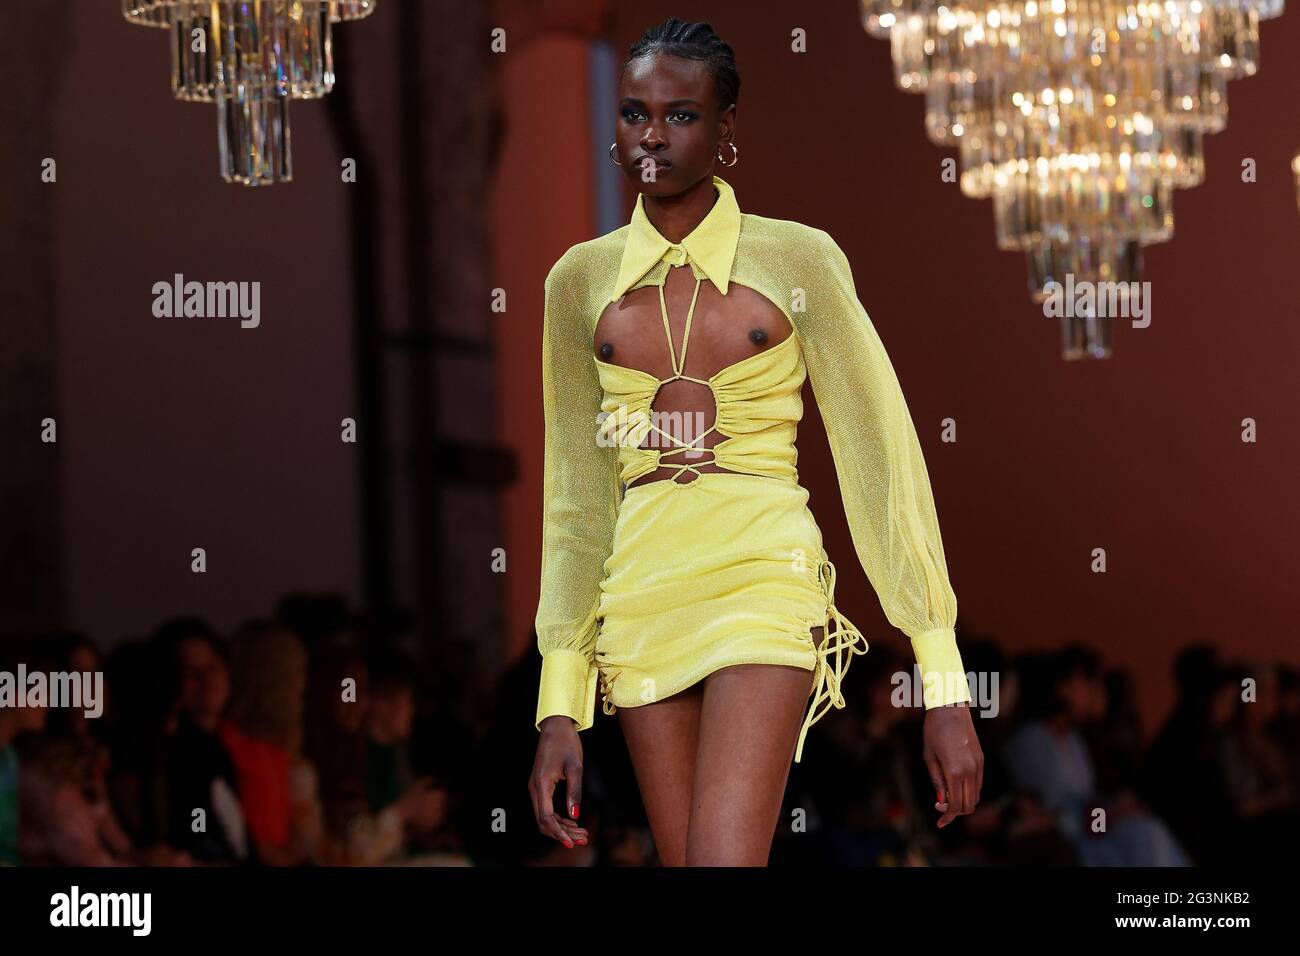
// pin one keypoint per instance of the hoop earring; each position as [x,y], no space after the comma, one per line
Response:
[735,152]
[611,154]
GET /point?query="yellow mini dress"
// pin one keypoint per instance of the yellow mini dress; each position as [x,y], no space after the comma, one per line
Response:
[647,589]
[679,602]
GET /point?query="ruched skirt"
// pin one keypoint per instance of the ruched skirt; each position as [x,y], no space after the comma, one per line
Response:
[724,569]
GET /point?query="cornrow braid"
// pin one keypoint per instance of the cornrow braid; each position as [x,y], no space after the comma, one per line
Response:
[693,41]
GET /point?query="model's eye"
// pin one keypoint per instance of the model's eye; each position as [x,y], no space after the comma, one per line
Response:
[633,115]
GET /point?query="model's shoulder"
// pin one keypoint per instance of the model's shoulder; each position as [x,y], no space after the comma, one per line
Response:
[790,251]
[590,260]
[770,233]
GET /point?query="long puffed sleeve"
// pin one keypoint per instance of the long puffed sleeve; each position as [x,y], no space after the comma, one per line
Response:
[881,471]
[579,506]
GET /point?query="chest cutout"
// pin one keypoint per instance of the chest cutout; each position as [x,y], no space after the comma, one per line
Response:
[722,331]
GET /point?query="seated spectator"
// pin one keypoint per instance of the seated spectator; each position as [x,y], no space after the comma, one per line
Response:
[9,800]
[1259,772]
[1185,779]
[67,818]
[1115,735]
[1048,756]
[389,721]
[204,816]
[338,705]
[15,724]
[136,729]
[1257,769]
[72,652]
[1286,726]
[263,732]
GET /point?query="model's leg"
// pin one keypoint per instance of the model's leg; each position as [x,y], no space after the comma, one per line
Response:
[748,731]
[662,738]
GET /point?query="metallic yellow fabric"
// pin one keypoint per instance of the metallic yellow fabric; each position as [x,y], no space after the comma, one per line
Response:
[748,587]
[597,413]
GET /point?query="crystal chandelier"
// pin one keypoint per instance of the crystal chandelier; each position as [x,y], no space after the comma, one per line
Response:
[250,58]
[1077,117]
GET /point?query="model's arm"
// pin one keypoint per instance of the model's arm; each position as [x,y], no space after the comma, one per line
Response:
[580,505]
[881,470]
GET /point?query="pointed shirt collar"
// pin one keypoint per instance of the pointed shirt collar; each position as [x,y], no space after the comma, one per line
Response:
[711,244]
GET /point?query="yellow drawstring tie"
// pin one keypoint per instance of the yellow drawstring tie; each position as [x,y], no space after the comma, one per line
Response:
[606,706]
[842,642]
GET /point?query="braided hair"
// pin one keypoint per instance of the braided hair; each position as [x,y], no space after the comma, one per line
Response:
[693,41]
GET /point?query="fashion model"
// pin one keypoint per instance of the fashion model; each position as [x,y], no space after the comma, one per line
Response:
[683,574]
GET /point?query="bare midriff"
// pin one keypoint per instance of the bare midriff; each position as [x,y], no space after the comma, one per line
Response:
[707,336]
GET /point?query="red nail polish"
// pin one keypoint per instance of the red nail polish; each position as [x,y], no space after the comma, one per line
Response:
[569,844]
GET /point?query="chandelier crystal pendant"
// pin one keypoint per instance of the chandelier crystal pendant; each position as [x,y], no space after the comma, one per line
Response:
[1078,118]
[250,59]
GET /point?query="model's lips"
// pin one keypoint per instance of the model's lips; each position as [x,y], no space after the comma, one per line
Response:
[659,164]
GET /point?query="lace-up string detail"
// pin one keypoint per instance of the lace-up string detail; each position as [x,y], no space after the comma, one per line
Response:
[839,644]
[676,256]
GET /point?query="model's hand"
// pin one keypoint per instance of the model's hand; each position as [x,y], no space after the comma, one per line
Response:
[955,761]
[559,757]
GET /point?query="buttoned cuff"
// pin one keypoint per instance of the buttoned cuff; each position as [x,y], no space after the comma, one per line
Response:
[568,686]
[943,678]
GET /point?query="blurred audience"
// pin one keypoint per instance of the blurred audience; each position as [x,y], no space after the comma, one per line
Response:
[68,819]
[1049,756]
[306,741]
